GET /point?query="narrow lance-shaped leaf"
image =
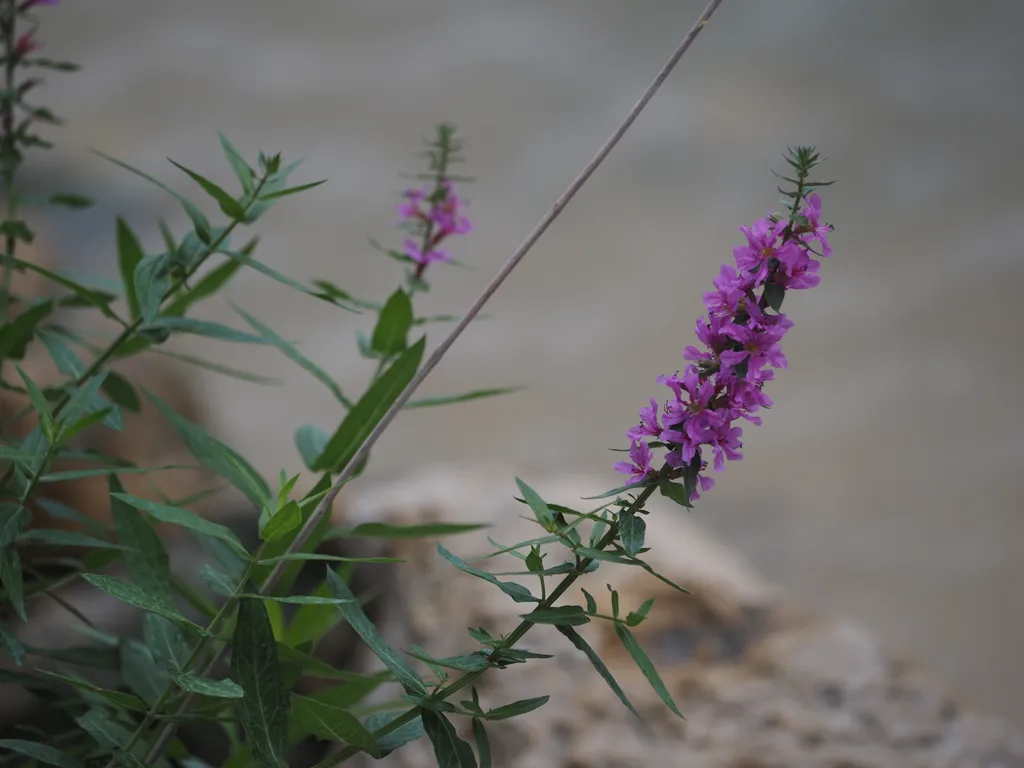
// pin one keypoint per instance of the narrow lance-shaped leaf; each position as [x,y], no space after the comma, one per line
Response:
[562,615]
[204,686]
[517,708]
[517,592]
[151,281]
[295,356]
[632,529]
[40,752]
[483,744]
[364,415]
[216,455]
[541,510]
[577,640]
[364,628]
[390,336]
[16,335]
[132,595]
[129,254]
[227,203]
[646,666]
[11,645]
[254,666]
[329,723]
[165,513]
[245,175]
[477,394]
[449,750]
[144,555]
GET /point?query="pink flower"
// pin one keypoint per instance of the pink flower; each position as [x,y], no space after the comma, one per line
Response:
[426,258]
[740,347]
[648,426]
[640,466]
[819,230]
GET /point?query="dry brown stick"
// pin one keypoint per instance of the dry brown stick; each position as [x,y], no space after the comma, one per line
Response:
[531,239]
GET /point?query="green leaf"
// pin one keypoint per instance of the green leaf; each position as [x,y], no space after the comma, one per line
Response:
[227,203]
[10,577]
[643,661]
[397,738]
[303,556]
[310,666]
[204,686]
[300,599]
[676,492]
[364,415]
[415,531]
[620,489]
[636,617]
[125,700]
[483,744]
[541,510]
[209,284]
[234,373]
[430,402]
[42,753]
[63,356]
[199,221]
[120,390]
[132,595]
[84,296]
[16,335]
[245,175]
[449,750]
[203,328]
[774,293]
[152,281]
[282,522]
[37,398]
[129,254]
[71,200]
[591,602]
[140,672]
[329,723]
[57,538]
[632,529]
[363,627]
[295,356]
[17,229]
[390,336]
[216,455]
[165,513]
[144,555]
[517,708]
[517,592]
[82,397]
[310,440]
[276,181]
[11,645]
[562,615]
[348,694]
[470,662]
[217,581]
[254,665]
[577,640]
[103,729]
[291,190]
[166,641]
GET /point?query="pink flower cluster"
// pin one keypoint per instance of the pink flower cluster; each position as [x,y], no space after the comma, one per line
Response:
[438,212]
[741,347]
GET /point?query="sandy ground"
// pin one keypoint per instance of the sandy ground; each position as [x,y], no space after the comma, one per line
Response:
[885,483]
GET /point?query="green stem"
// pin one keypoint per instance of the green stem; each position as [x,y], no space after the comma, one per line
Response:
[165,694]
[8,152]
[517,634]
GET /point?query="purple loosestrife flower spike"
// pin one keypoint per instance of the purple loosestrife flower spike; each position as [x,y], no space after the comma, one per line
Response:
[741,344]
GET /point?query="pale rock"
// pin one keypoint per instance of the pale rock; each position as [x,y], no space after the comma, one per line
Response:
[763,684]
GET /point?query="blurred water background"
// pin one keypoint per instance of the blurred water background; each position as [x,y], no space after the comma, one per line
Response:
[885,483]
